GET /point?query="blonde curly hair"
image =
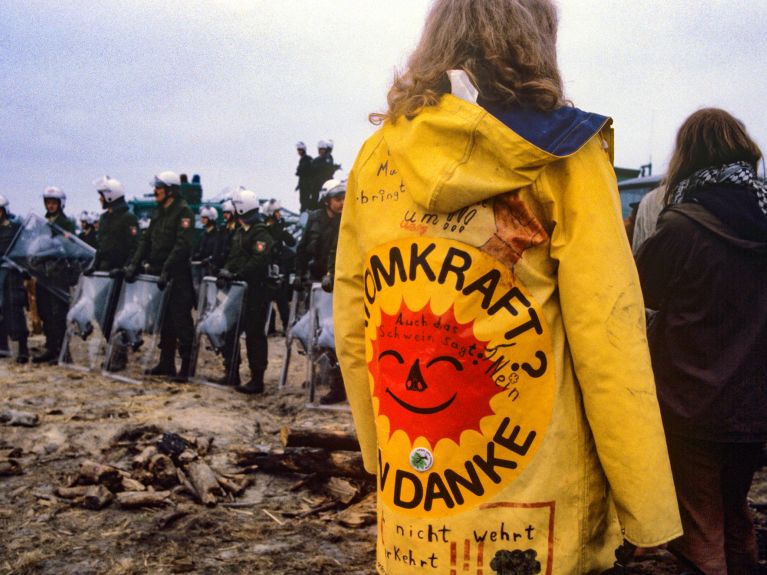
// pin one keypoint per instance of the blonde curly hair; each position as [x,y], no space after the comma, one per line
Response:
[506,47]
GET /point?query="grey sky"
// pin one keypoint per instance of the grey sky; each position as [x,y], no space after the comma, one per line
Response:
[226,88]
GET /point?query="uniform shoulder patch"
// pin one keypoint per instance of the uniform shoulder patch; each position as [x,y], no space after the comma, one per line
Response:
[133,230]
[186,222]
[260,246]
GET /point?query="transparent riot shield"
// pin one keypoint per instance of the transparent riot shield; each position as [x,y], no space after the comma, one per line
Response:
[88,323]
[198,272]
[54,257]
[215,356]
[315,333]
[136,326]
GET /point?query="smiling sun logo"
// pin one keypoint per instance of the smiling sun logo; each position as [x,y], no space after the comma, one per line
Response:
[461,378]
[437,387]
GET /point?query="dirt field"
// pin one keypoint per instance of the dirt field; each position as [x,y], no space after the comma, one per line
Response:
[281,524]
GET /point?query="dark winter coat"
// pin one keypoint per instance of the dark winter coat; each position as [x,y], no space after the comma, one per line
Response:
[61,220]
[90,237]
[304,173]
[167,244]
[208,246]
[319,238]
[118,237]
[250,255]
[704,270]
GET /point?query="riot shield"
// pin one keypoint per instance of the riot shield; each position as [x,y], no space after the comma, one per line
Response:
[88,319]
[217,332]
[136,329]
[54,257]
[315,333]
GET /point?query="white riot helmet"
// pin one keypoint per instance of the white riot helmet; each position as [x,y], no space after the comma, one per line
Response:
[333,188]
[86,217]
[300,146]
[209,212]
[330,144]
[227,206]
[323,144]
[272,206]
[244,201]
[54,193]
[165,180]
[109,188]
[4,202]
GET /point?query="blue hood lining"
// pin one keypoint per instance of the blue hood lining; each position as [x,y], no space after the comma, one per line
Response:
[561,132]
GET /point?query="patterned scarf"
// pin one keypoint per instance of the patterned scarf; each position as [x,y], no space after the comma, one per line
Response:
[738,173]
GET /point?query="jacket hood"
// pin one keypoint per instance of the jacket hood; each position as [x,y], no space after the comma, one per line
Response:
[732,215]
[457,153]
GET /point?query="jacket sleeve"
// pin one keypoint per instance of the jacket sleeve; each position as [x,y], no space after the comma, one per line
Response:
[349,325]
[255,267]
[604,322]
[143,245]
[181,253]
[303,251]
[662,256]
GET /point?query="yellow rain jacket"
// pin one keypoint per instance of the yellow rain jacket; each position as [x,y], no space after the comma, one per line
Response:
[490,330]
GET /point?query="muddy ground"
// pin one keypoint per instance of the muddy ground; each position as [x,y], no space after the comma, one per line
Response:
[281,524]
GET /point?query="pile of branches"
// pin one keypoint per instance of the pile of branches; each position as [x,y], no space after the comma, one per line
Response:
[160,474]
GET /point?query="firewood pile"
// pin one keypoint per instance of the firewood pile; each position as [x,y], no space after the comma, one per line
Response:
[164,469]
[161,474]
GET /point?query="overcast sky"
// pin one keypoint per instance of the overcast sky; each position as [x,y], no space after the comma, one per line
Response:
[226,88]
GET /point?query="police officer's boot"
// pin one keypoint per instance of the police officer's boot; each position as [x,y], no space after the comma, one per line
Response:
[186,369]
[4,349]
[48,356]
[337,392]
[23,351]
[231,375]
[254,386]
[166,365]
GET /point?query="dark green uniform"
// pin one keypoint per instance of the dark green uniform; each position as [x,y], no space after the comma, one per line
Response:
[249,260]
[118,237]
[50,307]
[117,240]
[166,249]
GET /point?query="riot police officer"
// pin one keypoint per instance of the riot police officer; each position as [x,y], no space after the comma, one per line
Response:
[88,230]
[51,307]
[226,233]
[13,296]
[315,260]
[164,250]
[118,237]
[283,257]
[207,252]
[249,260]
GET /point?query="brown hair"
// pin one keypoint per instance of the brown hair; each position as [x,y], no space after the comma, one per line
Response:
[506,47]
[710,137]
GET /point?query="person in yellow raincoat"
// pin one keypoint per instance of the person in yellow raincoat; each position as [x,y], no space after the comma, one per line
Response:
[488,316]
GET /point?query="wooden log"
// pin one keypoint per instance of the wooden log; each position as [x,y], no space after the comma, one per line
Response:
[163,470]
[327,439]
[304,460]
[96,497]
[92,473]
[187,456]
[10,467]
[130,484]
[186,484]
[143,458]
[133,499]
[205,483]
[72,492]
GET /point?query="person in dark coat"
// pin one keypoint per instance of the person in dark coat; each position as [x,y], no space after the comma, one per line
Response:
[13,296]
[165,250]
[323,168]
[50,306]
[304,173]
[207,252]
[88,230]
[703,270]
[283,257]
[226,233]
[249,260]
[117,240]
[315,253]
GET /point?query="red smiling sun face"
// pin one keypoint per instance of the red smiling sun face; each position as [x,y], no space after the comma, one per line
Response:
[431,376]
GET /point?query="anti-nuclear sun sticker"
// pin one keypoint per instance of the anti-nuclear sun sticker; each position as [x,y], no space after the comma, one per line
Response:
[461,374]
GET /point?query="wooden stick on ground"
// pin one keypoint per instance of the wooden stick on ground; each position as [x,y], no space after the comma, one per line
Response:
[327,439]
